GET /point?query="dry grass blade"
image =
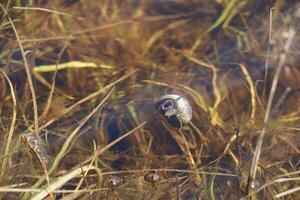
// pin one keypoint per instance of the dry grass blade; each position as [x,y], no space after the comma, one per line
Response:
[258,148]
[35,109]
[227,149]
[68,141]
[99,151]
[89,97]
[252,92]
[105,148]
[9,189]
[64,179]
[201,135]
[197,61]
[290,191]
[43,81]
[215,117]
[160,33]
[245,112]
[66,145]
[213,110]
[226,12]
[12,125]
[109,26]
[52,88]
[41,9]
[274,181]
[190,158]
[69,65]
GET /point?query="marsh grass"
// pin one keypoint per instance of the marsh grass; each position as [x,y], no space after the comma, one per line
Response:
[83,76]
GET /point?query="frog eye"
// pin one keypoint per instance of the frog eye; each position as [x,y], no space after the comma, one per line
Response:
[34,142]
[167,105]
[27,137]
[175,109]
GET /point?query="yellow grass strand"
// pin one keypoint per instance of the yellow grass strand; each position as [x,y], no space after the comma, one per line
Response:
[190,159]
[226,12]
[40,9]
[34,102]
[66,145]
[258,148]
[105,148]
[252,93]
[274,181]
[215,117]
[161,32]
[12,125]
[69,65]
[62,180]
[213,110]
[87,98]
[68,141]
[287,192]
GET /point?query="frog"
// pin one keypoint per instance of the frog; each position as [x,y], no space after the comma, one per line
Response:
[112,182]
[37,148]
[153,178]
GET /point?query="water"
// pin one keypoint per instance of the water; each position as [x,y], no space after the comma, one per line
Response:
[166,44]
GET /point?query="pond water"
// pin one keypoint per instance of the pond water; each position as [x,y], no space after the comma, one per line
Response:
[221,56]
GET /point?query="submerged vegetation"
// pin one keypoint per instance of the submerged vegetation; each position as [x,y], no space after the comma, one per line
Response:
[79,81]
